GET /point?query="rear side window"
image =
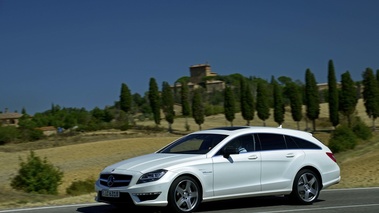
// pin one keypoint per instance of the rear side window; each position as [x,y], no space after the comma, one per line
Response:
[304,144]
[272,141]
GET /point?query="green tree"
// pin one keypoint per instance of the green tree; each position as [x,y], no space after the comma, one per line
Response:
[278,102]
[348,97]
[198,108]
[97,113]
[371,95]
[154,100]
[295,102]
[332,95]
[125,98]
[108,115]
[312,100]
[143,103]
[229,105]
[246,101]
[168,104]
[262,105]
[37,175]
[184,100]
[23,111]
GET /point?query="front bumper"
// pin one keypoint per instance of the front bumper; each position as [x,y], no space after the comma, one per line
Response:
[145,194]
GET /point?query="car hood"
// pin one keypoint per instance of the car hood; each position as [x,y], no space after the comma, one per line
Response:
[151,162]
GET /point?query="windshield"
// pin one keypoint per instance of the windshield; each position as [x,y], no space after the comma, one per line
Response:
[194,144]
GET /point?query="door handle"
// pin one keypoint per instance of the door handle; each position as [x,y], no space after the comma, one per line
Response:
[253,157]
[290,155]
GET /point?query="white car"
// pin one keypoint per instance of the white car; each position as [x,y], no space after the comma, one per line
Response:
[222,163]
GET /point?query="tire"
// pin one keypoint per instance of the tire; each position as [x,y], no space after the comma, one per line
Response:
[184,195]
[306,187]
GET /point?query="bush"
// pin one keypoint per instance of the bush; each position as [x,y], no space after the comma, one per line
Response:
[9,134]
[31,134]
[213,109]
[37,175]
[361,130]
[125,126]
[342,139]
[81,187]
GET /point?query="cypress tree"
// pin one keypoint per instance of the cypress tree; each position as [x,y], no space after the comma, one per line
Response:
[198,108]
[371,95]
[154,100]
[229,105]
[296,102]
[312,99]
[125,98]
[278,102]
[348,97]
[184,99]
[168,104]
[247,101]
[23,111]
[262,105]
[332,95]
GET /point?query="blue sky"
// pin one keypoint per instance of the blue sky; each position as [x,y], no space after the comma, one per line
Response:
[77,53]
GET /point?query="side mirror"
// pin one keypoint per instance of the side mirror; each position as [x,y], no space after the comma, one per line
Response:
[229,150]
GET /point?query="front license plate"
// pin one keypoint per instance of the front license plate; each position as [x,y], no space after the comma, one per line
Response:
[108,193]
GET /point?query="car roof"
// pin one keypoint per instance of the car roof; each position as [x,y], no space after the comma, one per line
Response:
[238,130]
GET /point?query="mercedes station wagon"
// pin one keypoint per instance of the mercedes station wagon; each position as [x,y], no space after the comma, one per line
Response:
[222,163]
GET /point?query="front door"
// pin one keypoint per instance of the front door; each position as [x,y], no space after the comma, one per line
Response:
[239,173]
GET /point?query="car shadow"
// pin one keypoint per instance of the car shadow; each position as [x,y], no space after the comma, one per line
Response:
[112,209]
[242,203]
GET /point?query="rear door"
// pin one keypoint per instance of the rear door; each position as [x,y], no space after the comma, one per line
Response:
[280,161]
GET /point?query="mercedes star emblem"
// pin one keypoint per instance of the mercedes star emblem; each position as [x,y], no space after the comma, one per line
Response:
[110,181]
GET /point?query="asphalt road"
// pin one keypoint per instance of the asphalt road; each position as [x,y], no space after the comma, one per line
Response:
[343,200]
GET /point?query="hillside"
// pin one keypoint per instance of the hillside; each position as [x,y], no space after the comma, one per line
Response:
[84,156]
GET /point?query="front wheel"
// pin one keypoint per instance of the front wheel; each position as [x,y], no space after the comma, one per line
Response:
[306,187]
[184,195]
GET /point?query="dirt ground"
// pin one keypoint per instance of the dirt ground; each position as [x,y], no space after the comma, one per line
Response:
[82,160]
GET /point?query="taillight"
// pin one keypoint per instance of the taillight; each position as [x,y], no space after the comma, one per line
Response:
[332,156]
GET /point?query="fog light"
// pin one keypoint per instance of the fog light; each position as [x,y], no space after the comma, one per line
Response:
[147,196]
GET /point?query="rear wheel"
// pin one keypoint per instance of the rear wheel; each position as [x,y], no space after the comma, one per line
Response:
[184,195]
[306,187]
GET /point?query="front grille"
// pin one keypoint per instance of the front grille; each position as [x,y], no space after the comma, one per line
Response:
[115,180]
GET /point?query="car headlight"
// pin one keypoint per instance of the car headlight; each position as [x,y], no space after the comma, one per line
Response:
[152,176]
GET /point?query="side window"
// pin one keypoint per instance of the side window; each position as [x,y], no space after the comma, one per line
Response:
[247,142]
[243,143]
[304,144]
[272,141]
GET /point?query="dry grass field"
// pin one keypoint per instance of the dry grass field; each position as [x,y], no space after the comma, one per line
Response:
[82,157]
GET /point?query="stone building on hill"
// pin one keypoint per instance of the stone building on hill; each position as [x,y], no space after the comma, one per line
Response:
[198,74]
[9,118]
